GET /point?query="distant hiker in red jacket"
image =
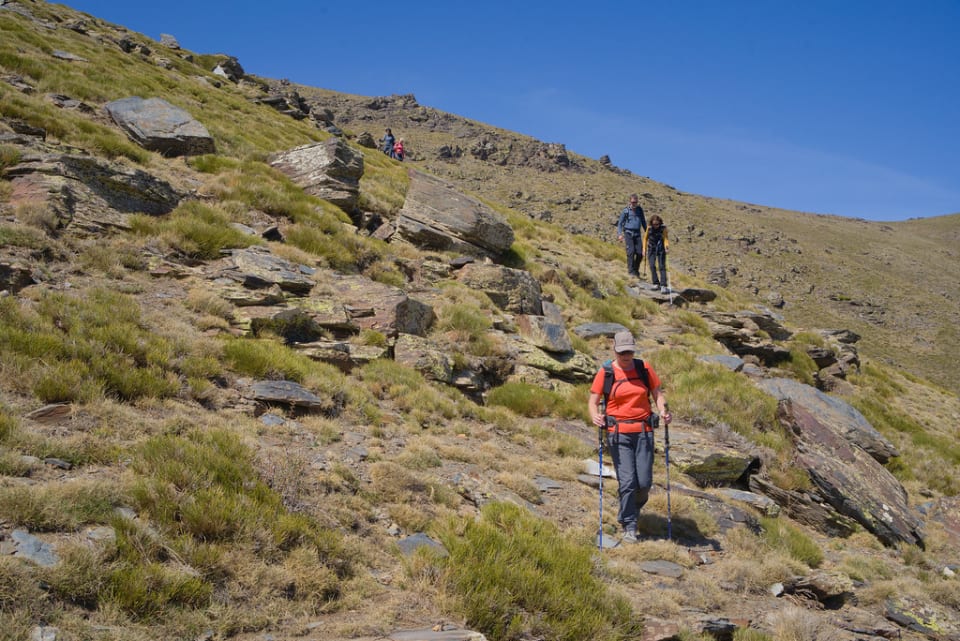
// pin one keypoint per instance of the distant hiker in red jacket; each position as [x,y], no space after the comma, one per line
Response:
[398,150]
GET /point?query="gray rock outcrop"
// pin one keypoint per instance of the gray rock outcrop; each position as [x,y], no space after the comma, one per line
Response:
[156,125]
[330,170]
[850,481]
[841,416]
[436,215]
[512,290]
[87,192]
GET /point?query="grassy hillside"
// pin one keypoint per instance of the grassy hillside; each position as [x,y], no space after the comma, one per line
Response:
[896,284]
[180,509]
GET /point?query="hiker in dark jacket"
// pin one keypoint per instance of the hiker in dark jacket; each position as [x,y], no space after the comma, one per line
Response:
[387,141]
[630,228]
[657,244]
[627,416]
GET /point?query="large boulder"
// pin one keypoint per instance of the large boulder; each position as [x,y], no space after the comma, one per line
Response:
[330,170]
[512,290]
[86,192]
[849,479]
[436,215]
[380,307]
[156,125]
[546,332]
[259,268]
[425,357]
[839,415]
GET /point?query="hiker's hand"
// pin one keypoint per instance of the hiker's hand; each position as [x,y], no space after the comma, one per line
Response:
[667,417]
[619,236]
[598,420]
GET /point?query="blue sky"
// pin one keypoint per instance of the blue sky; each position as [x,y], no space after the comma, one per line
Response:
[848,107]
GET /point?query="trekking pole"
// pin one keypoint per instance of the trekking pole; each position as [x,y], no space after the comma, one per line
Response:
[666,277]
[600,472]
[666,453]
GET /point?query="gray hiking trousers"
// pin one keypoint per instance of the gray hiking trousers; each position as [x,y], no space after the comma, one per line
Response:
[633,461]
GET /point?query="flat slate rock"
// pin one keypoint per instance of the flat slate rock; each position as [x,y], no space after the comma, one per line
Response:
[429,634]
[32,548]
[285,392]
[592,330]
[662,568]
[413,542]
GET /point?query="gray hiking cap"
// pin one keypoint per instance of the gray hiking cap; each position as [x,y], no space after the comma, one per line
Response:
[623,342]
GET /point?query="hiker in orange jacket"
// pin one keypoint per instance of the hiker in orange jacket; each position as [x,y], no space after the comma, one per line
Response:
[627,417]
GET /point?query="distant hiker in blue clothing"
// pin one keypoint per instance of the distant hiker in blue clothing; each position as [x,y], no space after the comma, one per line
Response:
[630,229]
[388,140]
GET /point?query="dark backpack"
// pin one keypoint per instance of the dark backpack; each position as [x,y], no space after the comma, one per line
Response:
[608,382]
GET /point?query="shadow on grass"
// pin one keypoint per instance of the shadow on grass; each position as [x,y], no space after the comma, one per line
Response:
[683,531]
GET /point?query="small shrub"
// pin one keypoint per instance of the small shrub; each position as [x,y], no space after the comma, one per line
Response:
[59,508]
[514,576]
[801,365]
[80,576]
[524,399]
[781,535]
[9,156]
[8,425]
[147,592]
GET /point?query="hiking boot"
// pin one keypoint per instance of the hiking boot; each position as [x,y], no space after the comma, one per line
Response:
[664,290]
[630,535]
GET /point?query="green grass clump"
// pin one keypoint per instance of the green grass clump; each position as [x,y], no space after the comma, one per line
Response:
[800,365]
[425,404]
[196,230]
[66,507]
[533,401]
[515,576]
[204,486]
[22,235]
[270,359]
[8,425]
[74,347]
[22,599]
[468,326]
[9,156]
[784,536]
[384,185]
[716,395]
